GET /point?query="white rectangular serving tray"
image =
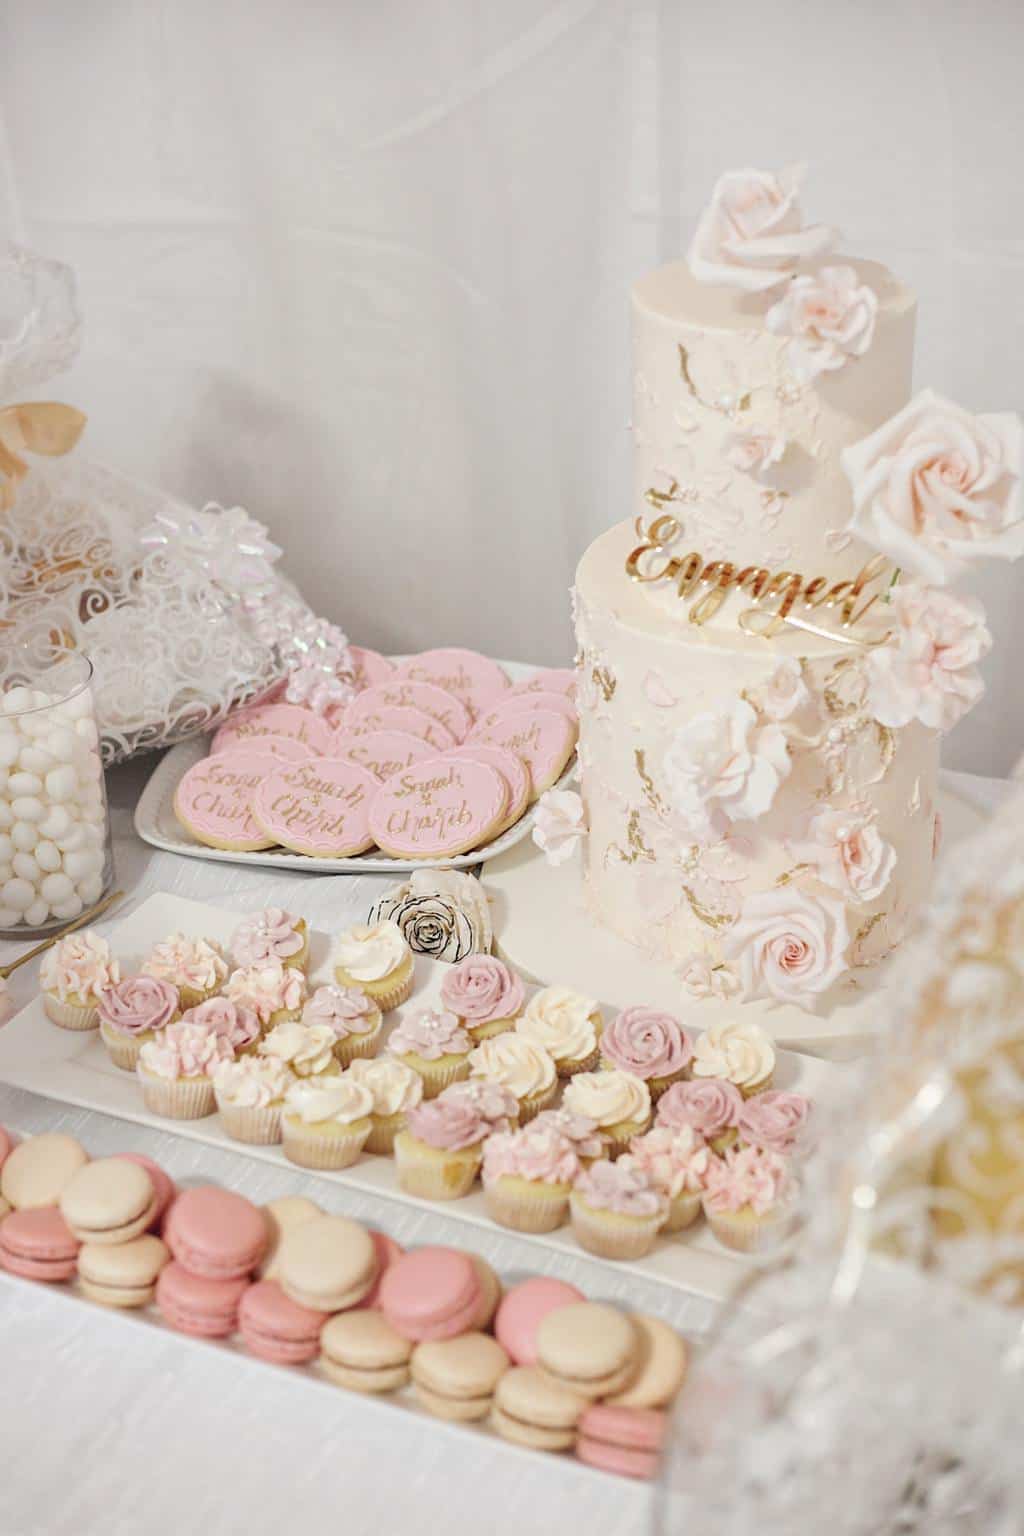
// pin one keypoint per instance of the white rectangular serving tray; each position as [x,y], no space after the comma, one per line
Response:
[156,823]
[73,1066]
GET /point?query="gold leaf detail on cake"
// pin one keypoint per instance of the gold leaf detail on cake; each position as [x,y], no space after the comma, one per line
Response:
[651,795]
[858,952]
[886,739]
[638,850]
[704,914]
[603,679]
[789,875]
[914,804]
[741,404]
[845,687]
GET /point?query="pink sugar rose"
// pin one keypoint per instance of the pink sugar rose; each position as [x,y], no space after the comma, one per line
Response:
[725,766]
[752,234]
[789,945]
[927,670]
[559,823]
[848,852]
[830,316]
[480,989]
[710,1107]
[646,1043]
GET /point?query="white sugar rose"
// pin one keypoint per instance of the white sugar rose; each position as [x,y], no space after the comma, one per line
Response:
[935,487]
[755,453]
[702,978]
[725,767]
[752,233]
[830,317]
[848,852]
[785,691]
[927,671]
[788,945]
[559,824]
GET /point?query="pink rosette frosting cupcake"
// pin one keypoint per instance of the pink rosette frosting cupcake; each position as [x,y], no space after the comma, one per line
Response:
[176,1070]
[774,1120]
[272,934]
[616,1210]
[438,1155]
[528,1177]
[239,1026]
[749,1198]
[196,967]
[484,995]
[130,1012]
[677,1163]
[711,1106]
[354,1018]
[273,991]
[649,1044]
[73,976]
[434,1044]
[587,1141]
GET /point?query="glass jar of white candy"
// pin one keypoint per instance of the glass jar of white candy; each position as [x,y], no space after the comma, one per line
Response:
[55,858]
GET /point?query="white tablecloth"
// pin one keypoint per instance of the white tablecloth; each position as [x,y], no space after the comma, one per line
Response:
[115,1427]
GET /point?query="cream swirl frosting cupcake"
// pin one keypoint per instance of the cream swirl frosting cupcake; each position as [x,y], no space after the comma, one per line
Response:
[250,1096]
[396,1088]
[272,934]
[326,1121]
[130,1012]
[308,1049]
[520,1066]
[74,974]
[195,966]
[567,1025]
[740,1052]
[617,1102]
[352,1015]
[274,992]
[377,959]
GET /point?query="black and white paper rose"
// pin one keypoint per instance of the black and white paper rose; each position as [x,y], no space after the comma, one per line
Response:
[441,913]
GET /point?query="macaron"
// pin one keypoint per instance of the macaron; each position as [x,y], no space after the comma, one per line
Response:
[589,1347]
[456,1378]
[281,1216]
[432,1293]
[122,1274]
[622,1440]
[37,1244]
[36,1171]
[109,1201]
[360,1350]
[5,1207]
[662,1368]
[388,1253]
[164,1186]
[197,1305]
[276,1328]
[215,1233]
[327,1264]
[524,1308]
[531,1409]
[490,1292]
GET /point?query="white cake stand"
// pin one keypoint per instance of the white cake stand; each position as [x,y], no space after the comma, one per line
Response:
[542,929]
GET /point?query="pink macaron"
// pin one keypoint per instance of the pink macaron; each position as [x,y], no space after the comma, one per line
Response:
[523,1309]
[627,1441]
[433,1293]
[215,1233]
[163,1185]
[276,1328]
[38,1244]
[194,1304]
[388,1253]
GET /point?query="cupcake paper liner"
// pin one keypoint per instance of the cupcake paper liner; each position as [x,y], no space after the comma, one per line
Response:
[70,1015]
[180,1098]
[328,1153]
[573,1064]
[390,993]
[350,1047]
[745,1232]
[383,1130]
[432,1174]
[124,1049]
[535,1102]
[438,1075]
[611,1235]
[258,1126]
[683,1211]
[536,1208]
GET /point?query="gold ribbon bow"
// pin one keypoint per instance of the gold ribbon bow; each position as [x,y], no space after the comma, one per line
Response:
[37,426]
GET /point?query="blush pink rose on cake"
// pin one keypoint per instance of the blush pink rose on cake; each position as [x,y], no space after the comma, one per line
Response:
[830,316]
[752,234]
[789,945]
[928,669]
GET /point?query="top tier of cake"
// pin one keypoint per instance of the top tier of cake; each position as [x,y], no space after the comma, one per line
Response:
[732,443]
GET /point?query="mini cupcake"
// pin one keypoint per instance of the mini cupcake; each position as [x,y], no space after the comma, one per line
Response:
[351,1015]
[565,1024]
[528,1177]
[616,1211]
[378,960]
[434,1044]
[439,1153]
[649,1044]
[308,1049]
[618,1103]
[740,1052]
[588,1142]
[749,1198]
[196,967]
[73,976]
[326,1121]
[484,995]
[250,1096]
[493,1102]
[395,1089]
[130,1012]
[774,1121]
[677,1164]
[711,1108]
[272,934]
[520,1066]
[239,1026]
[274,992]
[176,1070]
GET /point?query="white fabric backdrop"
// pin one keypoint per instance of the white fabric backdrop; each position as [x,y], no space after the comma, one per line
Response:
[364,268]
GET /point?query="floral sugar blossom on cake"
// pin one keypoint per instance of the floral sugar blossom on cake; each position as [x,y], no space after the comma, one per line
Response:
[559,824]
[785,692]
[704,977]
[928,670]
[789,945]
[79,965]
[752,234]
[830,315]
[239,1026]
[725,766]
[755,453]
[847,852]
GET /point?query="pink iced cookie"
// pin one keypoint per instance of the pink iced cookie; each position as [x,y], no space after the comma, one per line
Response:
[444,805]
[274,720]
[383,753]
[525,704]
[320,807]
[543,739]
[370,666]
[213,800]
[473,678]
[403,693]
[285,748]
[398,717]
[548,680]
[512,769]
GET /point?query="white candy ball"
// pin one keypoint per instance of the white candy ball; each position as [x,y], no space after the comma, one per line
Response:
[81,862]
[25,865]
[60,742]
[6,815]
[17,893]
[35,760]
[22,783]
[6,848]
[56,888]
[10,748]
[28,808]
[90,889]
[37,913]
[86,731]
[47,856]
[79,707]
[9,918]
[6,872]
[60,782]
[16,699]
[57,822]
[34,726]
[67,909]
[24,836]
[73,838]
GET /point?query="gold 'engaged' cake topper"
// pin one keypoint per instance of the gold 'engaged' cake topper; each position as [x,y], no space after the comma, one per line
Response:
[775,594]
